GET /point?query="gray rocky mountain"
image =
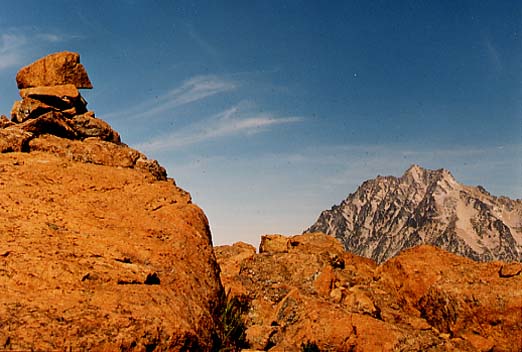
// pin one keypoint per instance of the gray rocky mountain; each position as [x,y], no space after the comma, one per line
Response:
[389,214]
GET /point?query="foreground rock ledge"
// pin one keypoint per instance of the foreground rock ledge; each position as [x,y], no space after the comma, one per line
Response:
[306,293]
[97,257]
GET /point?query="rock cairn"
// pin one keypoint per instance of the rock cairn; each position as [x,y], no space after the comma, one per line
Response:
[51,102]
[52,116]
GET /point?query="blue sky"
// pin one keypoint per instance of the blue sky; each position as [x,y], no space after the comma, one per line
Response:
[269,112]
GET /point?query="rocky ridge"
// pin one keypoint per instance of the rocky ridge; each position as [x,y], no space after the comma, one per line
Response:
[306,293]
[99,250]
[389,214]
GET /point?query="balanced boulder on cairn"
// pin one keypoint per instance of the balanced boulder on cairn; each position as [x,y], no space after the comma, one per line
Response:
[53,117]
[51,102]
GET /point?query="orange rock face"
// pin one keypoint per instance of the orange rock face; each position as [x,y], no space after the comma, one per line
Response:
[66,91]
[39,100]
[79,242]
[99,250]
[316,295]
[53,70]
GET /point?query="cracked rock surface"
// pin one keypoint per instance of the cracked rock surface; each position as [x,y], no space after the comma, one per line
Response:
[306,291]
[99,250]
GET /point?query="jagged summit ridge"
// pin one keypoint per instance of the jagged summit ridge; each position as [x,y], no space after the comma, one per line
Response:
[389,214]
[420,174]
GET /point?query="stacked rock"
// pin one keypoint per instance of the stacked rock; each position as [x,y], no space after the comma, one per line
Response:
[52,117]
[51,102]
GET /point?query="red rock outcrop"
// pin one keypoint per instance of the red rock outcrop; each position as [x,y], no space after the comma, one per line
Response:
[54,118]
[306,292]
[53,70]
[99,250]
[53,103]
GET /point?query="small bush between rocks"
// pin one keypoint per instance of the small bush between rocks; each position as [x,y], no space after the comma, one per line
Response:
[309,347]
[232,335]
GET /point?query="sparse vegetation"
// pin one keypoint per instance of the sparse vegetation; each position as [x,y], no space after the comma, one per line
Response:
[232,334]
[309,347]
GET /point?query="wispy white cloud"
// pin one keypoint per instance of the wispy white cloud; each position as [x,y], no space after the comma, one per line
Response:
[11,49]
[190,91]
[231,122]
[57,38]
[200,41]
[498,168]
[197,88]
[17,45]
[493,54]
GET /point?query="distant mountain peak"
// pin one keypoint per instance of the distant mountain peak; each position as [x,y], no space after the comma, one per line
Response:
[415,170]
[388,214]
[419,174]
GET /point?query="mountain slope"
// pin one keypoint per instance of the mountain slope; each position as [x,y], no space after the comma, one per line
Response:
[389,214]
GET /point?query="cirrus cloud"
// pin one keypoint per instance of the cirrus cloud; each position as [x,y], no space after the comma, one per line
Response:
[17,45]
[233,121]
[190,91]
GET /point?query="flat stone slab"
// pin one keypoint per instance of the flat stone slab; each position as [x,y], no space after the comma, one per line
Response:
[53,70]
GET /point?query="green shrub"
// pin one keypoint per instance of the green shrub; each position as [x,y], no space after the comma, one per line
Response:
[232,336]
